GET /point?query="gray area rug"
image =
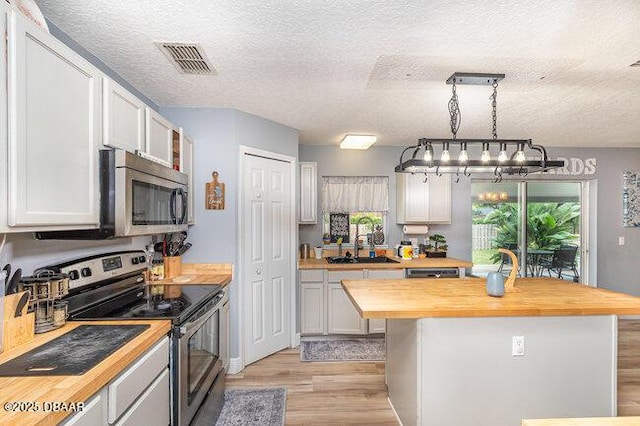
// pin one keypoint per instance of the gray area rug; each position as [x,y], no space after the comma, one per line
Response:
[342,350]
[257,407]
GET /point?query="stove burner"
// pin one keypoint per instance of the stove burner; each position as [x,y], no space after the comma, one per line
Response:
[159,308]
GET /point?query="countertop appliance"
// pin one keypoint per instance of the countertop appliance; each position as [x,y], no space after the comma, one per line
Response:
[111,285]
[432,273]
[137,197]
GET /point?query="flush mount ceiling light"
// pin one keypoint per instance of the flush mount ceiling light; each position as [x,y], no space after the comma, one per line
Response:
[357,141]
[524,157]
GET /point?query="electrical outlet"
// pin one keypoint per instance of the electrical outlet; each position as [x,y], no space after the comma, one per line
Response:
[517,346]
[620,241]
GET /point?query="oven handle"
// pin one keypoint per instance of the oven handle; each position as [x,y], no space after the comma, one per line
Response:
[210,308]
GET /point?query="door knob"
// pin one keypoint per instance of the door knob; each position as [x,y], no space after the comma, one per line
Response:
[258,271]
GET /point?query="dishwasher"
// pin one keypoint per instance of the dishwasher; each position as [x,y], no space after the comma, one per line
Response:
[432,273]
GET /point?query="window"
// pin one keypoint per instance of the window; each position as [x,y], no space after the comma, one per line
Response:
[347,199]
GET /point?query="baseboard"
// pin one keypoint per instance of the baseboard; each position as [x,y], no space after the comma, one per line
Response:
[394,411]
[235,366]
[296,340]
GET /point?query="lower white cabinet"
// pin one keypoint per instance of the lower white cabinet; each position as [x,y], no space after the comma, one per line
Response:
[312,308]
[140,395]
[342,318]
[325,308]
[91,415]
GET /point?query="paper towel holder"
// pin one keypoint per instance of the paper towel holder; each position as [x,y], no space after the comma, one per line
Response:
[415,229]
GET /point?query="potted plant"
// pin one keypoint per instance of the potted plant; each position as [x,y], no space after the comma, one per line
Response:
[438,246]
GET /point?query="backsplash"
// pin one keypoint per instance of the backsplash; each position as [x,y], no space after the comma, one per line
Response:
[23,251]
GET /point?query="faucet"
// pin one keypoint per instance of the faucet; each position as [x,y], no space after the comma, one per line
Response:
[355,244]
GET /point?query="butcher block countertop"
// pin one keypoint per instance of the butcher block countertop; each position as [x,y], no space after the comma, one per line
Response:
[70,389]
[442,262]
[589,421]
[202,273]
[467,297]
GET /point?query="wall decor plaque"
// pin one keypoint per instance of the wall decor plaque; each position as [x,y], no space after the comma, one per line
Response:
[339,227]
[214,196]
[630,199]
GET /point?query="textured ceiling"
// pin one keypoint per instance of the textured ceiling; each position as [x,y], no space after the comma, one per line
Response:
[332,67]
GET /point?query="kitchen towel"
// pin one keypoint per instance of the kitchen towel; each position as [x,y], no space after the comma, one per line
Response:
[415,229]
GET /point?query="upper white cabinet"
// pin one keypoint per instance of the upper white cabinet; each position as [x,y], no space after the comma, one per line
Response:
[186,166]
[4,8]
[159,137]
[123,118]
[418,201]
[308,192]
[54,121]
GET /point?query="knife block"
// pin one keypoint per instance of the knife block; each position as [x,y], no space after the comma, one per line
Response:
[172,266]
[17,330]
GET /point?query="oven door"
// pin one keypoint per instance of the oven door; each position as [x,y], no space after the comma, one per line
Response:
[147,204]
[198,361]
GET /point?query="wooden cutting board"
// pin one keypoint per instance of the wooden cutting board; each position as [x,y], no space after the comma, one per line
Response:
[20,330]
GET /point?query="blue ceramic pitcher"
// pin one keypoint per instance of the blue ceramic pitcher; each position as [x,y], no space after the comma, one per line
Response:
[495,284]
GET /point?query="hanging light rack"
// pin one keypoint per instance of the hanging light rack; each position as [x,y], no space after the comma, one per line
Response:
[422,158]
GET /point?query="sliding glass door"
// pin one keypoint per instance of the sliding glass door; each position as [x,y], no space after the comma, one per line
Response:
[550,243]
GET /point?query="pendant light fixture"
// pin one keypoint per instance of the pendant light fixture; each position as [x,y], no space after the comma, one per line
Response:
[501,162]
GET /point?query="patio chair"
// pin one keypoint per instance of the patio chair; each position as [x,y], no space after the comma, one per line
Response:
[563,258]
[504,258]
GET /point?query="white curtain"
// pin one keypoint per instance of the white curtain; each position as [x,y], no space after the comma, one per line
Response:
[345,194]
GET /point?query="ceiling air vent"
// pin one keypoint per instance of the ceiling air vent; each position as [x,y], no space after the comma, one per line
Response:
[187,58]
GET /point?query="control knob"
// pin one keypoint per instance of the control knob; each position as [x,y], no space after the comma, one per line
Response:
[85,272]
[74,275]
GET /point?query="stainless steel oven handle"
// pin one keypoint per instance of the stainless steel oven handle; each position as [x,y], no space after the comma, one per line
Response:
[190,327]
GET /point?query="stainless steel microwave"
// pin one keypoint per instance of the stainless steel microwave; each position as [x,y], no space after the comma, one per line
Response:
[137,197]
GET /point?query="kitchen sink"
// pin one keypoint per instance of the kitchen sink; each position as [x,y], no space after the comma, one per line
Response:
[379,259]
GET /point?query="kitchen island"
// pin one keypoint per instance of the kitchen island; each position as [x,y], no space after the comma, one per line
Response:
[450,348]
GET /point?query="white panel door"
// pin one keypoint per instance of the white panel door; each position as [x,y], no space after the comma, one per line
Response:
[267,234]
[123,118]
[54,131]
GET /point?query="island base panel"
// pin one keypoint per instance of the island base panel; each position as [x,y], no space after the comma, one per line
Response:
[443,371]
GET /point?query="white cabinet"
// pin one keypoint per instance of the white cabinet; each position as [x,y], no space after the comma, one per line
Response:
[308,193]
[4,8]
[159,137]
[152,408]
[378,325]
[312,296]
[342,315]
[186,166]
[54,121]
[123,118]
[91,414]
[140,395]
[423,202]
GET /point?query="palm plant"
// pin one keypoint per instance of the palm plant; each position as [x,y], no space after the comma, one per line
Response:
[549,225]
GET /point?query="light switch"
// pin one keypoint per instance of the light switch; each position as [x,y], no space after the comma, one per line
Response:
[620,241]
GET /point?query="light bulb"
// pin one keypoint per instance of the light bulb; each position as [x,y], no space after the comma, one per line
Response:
[427,155]
[464,156]
[485,156]
[445,155]
[520,156]
[502,156]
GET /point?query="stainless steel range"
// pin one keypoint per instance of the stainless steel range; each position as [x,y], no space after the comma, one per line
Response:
[112,285]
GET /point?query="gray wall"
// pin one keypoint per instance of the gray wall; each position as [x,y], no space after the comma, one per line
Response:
[218,134]
[617,265]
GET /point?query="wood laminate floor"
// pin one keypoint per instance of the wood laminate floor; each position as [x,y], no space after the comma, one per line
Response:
[337,393]
[355,393]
